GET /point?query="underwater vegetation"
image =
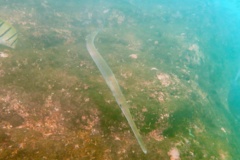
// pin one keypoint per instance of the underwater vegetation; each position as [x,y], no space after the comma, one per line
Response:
[233,97]
[173,62]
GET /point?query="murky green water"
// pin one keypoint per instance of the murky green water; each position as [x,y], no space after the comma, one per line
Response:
[174,62]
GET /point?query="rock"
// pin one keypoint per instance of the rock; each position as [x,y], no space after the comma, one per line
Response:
[174,154]
[133,56]
[13,118]
[3,55]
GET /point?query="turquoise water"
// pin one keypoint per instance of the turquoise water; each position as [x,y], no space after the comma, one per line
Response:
[175,63]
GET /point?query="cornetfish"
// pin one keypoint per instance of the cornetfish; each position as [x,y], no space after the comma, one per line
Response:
[113,85]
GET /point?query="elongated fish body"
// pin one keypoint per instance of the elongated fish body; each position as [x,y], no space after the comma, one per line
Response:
[8,34]
[113,85]
[234,97]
